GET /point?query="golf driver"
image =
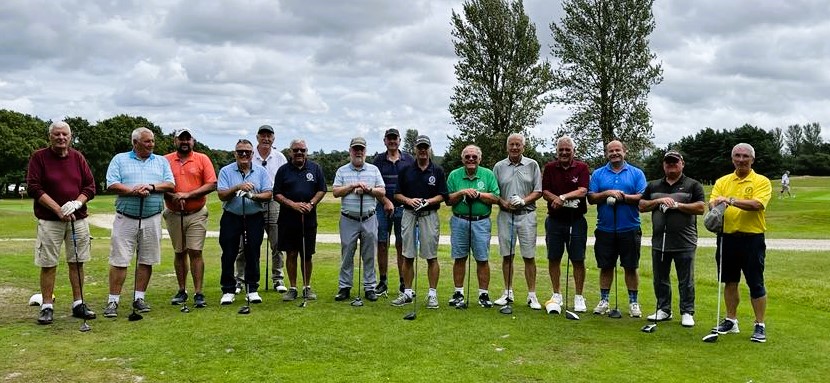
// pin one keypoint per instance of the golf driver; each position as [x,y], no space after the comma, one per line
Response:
[652,327]
[569,314]
[414,313]
[246,309]
[463,305]
[84,326]
[184,308]
[268,242]
[304,303]
[507,309]
[357,302]
[713,336]
[615,312]
[134,316]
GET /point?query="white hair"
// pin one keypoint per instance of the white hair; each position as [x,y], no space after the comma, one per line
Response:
[516,135]
[296,141]
[744,145]
[59,125]
[138,131]
[476,148]
[566,139]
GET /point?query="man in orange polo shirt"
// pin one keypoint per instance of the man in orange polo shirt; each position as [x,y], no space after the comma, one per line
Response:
[186,214]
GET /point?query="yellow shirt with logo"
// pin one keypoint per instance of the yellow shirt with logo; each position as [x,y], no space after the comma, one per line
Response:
[754,186]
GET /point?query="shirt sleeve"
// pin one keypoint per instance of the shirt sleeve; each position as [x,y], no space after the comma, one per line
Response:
[593,184]
[338,177]
[763,191]
[697,193]
[87,180]
[114,172]
[640,182]
[321,180]
[224,182]
[34,188]
[166,172]
[537,179]
[208,172]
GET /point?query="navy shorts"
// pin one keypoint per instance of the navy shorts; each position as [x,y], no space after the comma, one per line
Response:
[743,252]
[385,223]
[290,238]
[624,246]
[557,234]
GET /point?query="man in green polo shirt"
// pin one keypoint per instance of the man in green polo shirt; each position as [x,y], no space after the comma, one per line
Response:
[473,189]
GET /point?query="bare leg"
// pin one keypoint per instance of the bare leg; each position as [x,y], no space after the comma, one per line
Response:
[530,274]
[47,283]
[180,265]
[197,269]
[483,274]
[117,277]
[730,295]
[433,270]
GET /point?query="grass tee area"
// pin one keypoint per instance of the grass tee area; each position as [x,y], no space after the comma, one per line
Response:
[332,341]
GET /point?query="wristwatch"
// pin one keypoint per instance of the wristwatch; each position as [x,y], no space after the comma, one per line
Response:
[731,201]
[153,186]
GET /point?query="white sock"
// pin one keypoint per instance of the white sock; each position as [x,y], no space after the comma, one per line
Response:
[459,289]
[432,293]
[76,303]
[761,324]
[408,292]
[531,294]
[735,321]
[46,306]
[114,298]
[482,291]
[139,295]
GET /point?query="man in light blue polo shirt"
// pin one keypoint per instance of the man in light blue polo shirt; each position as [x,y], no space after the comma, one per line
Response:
[616,189]
[360,185]
[140,179]
[243,187]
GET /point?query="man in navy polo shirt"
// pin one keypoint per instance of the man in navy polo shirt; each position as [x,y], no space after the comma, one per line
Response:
[389,210]
[298,187]
[422,187]
[616,189]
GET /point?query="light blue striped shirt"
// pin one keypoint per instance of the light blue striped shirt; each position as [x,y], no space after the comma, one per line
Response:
[230,176]
[347,174]
[127,169]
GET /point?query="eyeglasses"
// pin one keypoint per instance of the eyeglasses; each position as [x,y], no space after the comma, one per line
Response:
[299,150]
[244,153]
[471,157]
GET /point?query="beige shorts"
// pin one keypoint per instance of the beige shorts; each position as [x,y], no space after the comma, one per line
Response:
[428,233]
[124,236]
[195,228]
[50,236]
[524,229]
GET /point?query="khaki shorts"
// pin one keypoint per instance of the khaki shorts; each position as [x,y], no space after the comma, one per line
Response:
[195,229]
[124,236]
[50,236]
[524,227]
[428,233]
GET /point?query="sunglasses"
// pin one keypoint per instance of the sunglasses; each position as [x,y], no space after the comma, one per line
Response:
[422,147]
[244,153]
[470,157]
[671,160]
[299,150]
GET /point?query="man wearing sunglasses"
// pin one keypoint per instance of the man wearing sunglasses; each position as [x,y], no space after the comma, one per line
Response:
[472,192]
[243,188]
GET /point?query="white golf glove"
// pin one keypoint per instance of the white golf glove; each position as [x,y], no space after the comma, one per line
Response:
[571,203]
[245,194]
[517,201]
[70,207]
[422,204]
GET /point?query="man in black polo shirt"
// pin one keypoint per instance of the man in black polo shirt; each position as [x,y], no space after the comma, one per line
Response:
[673,201]
[421,189]
[298,186]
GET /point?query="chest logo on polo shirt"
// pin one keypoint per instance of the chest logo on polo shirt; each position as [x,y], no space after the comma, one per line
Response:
[748,191]
[309,177]
[431,181]
[575,179]
[480,185]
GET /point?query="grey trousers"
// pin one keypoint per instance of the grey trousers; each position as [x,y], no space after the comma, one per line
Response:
[684,264]
[271,226]
[367,232]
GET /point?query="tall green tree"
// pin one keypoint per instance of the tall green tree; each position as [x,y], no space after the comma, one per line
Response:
[606,70]
[409,141]
[794,138]
[812,137]
[21,135]
[503,87]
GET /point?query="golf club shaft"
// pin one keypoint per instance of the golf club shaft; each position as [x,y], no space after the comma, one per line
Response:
[267,243]
[470,259]
[568,262]
[138,237]
[302,259]
[359,249]
[78,269]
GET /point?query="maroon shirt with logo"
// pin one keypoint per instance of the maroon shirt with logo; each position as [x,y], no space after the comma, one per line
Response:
[559,180]
[62,178]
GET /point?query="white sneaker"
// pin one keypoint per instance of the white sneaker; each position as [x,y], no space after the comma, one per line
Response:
[504,298]
[687,320]
[634,310]
[602,307]
[579,304]
[227,298]
[533,302]
[280,286]
[554,304]
[659,316]
[254,297]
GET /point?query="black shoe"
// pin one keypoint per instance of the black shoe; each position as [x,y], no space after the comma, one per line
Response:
[45,316]
[199,300]
[179,298]
[141,306]
[401,288]
[371,295]
[83,312]
[381,288]
[343,294]
[457,297]
[290,295]
[760,334]
[484,300]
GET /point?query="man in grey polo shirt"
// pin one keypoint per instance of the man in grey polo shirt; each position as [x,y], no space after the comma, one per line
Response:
[520,185]
[360,185]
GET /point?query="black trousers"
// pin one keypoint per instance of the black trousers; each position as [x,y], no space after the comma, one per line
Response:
[232,227]
[684,264]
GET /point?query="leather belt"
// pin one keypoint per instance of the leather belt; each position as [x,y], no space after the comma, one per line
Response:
[520,212]
[472,218]
[135,216]
[356,217]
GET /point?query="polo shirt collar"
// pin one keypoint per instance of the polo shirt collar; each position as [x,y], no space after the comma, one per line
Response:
[134,155]
[748,177]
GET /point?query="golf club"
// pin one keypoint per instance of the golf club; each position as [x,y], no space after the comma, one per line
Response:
[134,316]
[507,309]
[414,313]
[304,303]
[267,243]
[84,326]
[713,336]
[184,308]
[615,312]
[463,305]
[569,314]
[246,309]
[652,327]
[357,302]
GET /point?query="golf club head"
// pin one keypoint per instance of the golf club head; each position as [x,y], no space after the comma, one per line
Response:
[711,338]
[357,302]
[303,304]
[649,328]
[409,316]
[571,315]
[615,313]
[84,327]
[506,309]
[185,309]
[245,310]
[461,306]
[134,316]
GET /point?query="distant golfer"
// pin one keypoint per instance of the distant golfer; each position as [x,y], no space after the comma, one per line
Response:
[299,186]
[473,190]
[674,202]
[243,188]
[186,215]
[520,185]
[564,186]
[616,189]
[139,178]
[744,222]
[60,183]
[785,185]
[389,210]
[422,187]
[359,184]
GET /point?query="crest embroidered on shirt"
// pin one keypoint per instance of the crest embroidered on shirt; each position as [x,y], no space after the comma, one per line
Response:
[431,181]
[575,179]
[309,177]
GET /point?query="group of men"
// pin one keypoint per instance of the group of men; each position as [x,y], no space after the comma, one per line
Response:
[262,192]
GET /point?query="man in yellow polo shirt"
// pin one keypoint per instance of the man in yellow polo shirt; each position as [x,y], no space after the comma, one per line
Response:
[742,239]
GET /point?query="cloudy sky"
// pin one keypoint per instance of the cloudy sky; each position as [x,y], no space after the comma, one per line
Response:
[329,70]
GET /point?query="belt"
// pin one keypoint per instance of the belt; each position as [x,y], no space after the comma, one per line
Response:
[357,217]
[741,234]
[519,212]
[135,216]
[185,213]
[472,218]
